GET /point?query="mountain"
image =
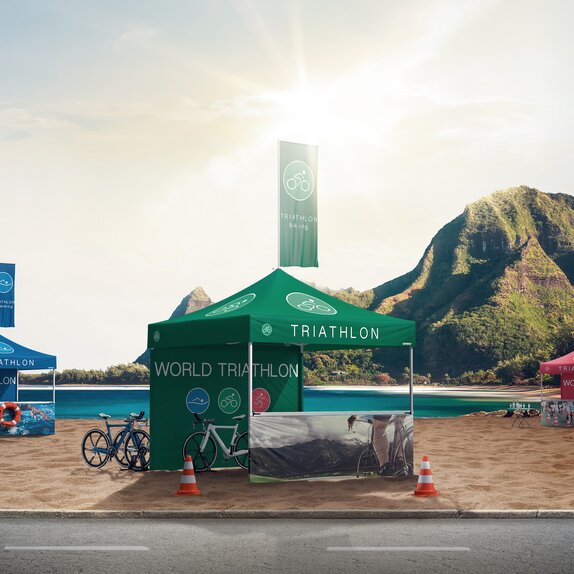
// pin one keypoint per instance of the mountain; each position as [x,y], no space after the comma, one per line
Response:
[494,289]
[196,300]
[494,284]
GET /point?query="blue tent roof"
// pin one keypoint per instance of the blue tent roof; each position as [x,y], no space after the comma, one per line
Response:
[14,356]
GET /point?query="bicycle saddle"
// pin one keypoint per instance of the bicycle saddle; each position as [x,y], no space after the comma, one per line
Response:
[105,416]
[239,418]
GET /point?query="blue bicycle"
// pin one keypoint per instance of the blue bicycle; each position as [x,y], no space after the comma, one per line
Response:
[99,447]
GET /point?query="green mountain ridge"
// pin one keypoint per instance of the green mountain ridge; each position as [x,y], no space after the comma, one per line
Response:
[493,290]
[494,284]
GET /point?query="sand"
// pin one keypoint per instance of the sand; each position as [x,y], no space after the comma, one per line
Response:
[477,463]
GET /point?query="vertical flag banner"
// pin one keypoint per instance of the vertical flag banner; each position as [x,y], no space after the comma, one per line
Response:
[298,221]
[7,280]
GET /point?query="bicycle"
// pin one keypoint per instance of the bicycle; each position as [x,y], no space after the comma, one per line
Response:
[398,454]
[202,448]
[368,463]
[98,447]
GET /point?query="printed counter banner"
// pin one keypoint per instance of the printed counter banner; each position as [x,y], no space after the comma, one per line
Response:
[557,413]
[306,446]
[298,220]
[7,282]
[34,419]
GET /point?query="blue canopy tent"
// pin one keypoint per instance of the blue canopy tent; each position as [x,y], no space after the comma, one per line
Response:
[15,357]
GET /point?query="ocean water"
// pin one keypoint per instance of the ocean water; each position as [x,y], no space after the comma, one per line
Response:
[80,403]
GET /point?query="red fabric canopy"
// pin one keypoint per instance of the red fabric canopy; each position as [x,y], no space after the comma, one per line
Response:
[558,366]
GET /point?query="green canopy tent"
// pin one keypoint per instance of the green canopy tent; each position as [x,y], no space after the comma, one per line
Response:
[196,357]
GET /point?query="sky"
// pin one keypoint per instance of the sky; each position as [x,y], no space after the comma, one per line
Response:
[138,144]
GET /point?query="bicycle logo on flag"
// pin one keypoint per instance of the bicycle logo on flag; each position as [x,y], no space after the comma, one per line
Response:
[298,180]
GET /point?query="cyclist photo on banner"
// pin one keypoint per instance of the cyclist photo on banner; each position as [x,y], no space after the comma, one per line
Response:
[389,451]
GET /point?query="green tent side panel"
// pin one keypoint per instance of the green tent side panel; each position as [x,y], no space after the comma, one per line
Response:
[219,372]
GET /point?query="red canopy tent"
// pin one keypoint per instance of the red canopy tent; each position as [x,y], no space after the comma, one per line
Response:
[563,366]
[558,366]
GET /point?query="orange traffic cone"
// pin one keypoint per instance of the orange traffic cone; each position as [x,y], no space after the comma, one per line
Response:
[188,484]
[425,485]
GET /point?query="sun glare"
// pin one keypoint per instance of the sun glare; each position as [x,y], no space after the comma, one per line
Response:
[306,115]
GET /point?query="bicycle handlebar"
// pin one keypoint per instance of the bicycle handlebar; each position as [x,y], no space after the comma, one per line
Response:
[202,421]
[135,417]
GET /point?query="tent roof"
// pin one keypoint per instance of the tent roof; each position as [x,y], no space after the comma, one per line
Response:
[15,356]
[560,365]
[280,309]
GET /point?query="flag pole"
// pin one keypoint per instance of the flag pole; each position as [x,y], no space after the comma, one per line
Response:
[278,204]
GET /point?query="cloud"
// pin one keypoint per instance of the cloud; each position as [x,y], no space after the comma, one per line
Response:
[141,34]
[17,119]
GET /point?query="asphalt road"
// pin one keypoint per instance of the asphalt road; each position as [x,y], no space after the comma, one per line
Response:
[301,546]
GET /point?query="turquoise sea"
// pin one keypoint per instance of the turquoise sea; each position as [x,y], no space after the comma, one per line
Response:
[87,403]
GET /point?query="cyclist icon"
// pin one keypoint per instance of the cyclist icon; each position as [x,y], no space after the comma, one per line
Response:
[298,180]
[229,400]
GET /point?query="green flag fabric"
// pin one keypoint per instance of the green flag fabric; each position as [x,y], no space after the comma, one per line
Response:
[298,219]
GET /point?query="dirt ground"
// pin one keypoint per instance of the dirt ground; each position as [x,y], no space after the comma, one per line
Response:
[477,463]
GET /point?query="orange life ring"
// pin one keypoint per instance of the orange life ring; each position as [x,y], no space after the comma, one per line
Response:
[15,419]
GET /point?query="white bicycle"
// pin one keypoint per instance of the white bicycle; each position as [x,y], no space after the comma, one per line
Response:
[202,447]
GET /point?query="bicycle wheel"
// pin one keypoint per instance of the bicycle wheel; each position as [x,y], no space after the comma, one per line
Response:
[120,454]
[242,443]
[203,460]
[368,463]
[96,448]
[137,450]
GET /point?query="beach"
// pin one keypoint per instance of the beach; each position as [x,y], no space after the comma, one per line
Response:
[478,462]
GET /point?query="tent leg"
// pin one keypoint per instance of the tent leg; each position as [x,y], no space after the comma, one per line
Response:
[250,378]
[17,385]
[411,381]
[53,385]
[541,390]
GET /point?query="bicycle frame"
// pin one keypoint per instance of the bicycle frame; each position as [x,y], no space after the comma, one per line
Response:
[212,429]
[128,426]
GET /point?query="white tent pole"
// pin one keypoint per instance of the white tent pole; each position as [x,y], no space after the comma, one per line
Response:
[17,385]
[411,382]
[250,378]
[53,385]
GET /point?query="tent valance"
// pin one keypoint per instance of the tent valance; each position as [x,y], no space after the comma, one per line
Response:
[15,356]
[558,366]
[280,309]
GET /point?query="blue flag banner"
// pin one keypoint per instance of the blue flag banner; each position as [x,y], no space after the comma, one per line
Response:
[7,385]
[7,279]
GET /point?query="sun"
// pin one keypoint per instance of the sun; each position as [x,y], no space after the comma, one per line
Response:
[306,115]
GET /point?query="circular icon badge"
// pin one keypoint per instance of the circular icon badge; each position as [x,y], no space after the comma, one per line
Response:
[267,329]
[156,336]
[298,180]
[6,282]
[197,400]
[229,400]
[5,349]
[260,400]
[309,304]
[233,305]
